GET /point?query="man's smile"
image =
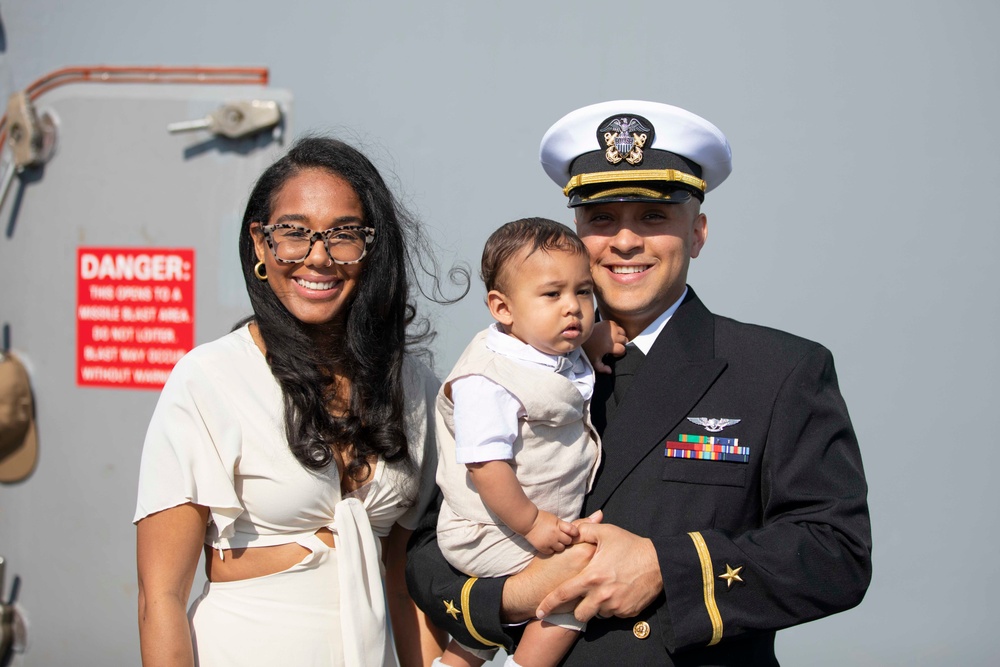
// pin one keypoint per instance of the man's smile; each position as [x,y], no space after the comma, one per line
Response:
[622,270]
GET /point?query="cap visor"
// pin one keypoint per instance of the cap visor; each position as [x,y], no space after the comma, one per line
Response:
[628,194]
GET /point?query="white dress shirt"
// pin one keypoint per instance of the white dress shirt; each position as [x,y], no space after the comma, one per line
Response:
[644,341]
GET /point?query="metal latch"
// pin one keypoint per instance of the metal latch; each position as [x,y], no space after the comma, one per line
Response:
[234,120]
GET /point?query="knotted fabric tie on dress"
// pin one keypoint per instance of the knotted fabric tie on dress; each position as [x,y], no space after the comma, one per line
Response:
[362,598]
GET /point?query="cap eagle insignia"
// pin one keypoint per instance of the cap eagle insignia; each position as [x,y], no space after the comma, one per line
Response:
[713,424]
[624,138]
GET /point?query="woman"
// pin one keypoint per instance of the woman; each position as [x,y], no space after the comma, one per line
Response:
[289,445]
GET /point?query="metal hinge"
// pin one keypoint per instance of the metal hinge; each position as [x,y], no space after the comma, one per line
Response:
[31,139]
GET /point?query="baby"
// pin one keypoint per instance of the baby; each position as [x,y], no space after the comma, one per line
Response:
[517,451]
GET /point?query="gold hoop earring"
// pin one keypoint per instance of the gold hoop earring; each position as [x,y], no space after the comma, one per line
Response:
[260,271]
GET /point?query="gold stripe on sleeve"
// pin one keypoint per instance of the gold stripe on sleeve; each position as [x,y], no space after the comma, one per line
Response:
[466,594]
[708,578]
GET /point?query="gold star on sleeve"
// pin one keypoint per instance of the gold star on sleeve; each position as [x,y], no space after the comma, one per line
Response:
[731,575]
[451,609]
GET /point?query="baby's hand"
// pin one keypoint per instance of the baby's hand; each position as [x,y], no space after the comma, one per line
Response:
[550,534]
[608,338]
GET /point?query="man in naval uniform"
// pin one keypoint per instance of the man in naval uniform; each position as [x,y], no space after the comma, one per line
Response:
[732,497]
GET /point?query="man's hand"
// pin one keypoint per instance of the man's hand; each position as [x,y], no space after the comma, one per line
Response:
[523,592]
[622,578]
[549,534]
[607,338]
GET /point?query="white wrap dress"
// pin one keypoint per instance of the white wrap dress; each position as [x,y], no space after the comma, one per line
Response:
[217,439]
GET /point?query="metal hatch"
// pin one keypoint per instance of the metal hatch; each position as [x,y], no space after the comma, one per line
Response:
[112,177]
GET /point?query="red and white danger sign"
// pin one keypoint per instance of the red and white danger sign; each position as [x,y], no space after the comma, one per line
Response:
[134,315]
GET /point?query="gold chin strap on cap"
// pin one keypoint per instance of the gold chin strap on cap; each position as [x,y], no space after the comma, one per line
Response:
[670,175]
[628,191]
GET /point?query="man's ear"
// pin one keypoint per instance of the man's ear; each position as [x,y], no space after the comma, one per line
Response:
[499,307]
[700,234]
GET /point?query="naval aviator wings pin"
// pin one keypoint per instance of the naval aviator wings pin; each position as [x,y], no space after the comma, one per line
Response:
[713,424]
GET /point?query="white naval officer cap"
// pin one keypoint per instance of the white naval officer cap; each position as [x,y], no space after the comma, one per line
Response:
[630,150]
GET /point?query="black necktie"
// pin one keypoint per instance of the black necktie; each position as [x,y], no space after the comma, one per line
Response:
[610,390]
[625,369]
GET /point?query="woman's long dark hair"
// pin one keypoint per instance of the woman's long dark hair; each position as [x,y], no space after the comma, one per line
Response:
[370,347]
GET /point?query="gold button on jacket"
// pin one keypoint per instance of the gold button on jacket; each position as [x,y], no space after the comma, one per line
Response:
[641,630]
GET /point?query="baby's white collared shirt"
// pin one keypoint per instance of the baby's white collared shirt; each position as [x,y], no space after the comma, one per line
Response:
[486,414]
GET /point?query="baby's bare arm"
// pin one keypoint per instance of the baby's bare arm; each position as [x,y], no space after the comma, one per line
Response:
[498,487]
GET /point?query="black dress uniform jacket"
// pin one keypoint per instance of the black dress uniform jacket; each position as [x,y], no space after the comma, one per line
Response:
[792,522]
